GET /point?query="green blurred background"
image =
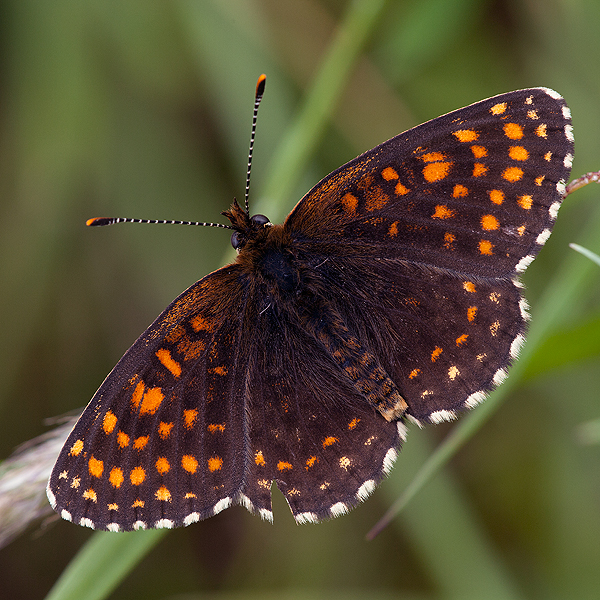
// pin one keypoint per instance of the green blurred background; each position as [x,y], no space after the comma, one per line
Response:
[142,108]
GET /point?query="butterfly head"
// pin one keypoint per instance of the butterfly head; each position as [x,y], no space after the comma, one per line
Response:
[246,227]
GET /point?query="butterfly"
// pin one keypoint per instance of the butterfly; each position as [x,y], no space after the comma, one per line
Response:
[389,294]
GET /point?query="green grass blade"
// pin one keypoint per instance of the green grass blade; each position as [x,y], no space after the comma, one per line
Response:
[103,563]
[458,553]
[591,255]
[321,100]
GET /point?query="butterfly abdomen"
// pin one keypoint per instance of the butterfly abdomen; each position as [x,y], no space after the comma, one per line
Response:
[366,374]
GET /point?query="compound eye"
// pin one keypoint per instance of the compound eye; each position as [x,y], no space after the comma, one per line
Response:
[259,219]
[236,240]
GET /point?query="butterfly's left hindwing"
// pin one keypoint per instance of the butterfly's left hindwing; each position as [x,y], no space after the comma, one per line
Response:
[164,441]
[311,433]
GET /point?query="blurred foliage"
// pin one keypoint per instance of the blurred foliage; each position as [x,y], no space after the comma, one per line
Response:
[142,108]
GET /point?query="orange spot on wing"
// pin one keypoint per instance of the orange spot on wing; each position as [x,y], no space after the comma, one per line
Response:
[138,394]
[469,286]
[401,190]
[311,462]
[109,422]
[222,370]
[471,313]
[164,356]
[499,108]
[433,157]
[486,247]
[539,180]
[215,463]
[214,427]
[518,153]
[283,466]
[497,196]
[116,477]
[350,203]
[436,170]
[329,441]
[393,230]
[479,169]
[479,151]
[164,429]
[513,131]
[414,373]
[76,448]
[138,504]
[151,401]
[259,459]
[189,417]
[354,423]
[122,439]
[449,239]
[189,463]
[137,476]
[462,339]
[489,222]
[512,174]
[140,442]
[389,174]
[443,212]
[162,493]
[542,130]
[525,201]
[436,353]
[466,135]
[162,465]
[459,191]
[95,467]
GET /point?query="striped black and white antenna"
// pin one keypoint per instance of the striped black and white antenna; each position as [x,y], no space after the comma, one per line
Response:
[101,221]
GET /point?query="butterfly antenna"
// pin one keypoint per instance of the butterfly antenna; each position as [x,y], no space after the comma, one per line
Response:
[101,221]
[260,90]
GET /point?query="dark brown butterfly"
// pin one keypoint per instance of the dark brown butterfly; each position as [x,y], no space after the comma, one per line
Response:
[388,294]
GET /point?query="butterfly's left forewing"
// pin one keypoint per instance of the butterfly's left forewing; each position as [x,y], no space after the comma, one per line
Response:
[474,191]
[164,440]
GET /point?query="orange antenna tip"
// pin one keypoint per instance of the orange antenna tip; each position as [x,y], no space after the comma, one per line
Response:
[98,221]
[260,85]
